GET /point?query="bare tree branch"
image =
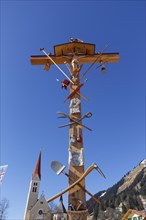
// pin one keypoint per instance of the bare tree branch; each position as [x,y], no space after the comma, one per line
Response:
[4,205]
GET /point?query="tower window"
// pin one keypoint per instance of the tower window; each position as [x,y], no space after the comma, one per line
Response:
[35,184]
[34,189]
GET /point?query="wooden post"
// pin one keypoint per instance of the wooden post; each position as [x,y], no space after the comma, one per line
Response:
[76,197]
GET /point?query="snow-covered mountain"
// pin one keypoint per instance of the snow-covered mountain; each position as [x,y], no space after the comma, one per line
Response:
[128,193]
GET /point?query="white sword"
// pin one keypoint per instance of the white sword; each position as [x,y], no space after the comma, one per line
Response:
[42,49]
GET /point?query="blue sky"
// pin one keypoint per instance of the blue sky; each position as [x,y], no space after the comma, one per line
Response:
[30,97]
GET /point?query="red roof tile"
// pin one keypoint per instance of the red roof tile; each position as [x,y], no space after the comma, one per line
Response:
[37,170]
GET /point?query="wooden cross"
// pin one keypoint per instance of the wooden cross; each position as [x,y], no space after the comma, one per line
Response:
[75,54]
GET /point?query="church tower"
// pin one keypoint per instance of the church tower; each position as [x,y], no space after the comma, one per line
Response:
[36,209]
[33,189]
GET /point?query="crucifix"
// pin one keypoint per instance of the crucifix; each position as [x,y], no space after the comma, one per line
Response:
[74,55]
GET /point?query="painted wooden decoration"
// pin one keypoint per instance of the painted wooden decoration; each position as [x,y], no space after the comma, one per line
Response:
[76,157]
[74,105]
[73,139]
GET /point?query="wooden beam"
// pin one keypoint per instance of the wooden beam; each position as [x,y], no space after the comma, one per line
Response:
[105,57]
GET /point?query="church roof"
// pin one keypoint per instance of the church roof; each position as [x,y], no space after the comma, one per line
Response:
[60,207]
[37,170]
[42,205]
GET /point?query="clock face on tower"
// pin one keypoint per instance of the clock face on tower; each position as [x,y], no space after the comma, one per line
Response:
[40,212]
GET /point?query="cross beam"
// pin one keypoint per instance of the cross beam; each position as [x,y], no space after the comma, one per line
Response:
[104,57]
